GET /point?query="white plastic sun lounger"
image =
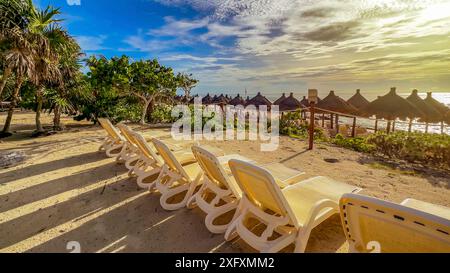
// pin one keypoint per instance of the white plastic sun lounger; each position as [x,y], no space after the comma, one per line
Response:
[374,225]
[114,142]
[288,215]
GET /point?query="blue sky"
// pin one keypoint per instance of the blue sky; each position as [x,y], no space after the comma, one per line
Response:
[275,46]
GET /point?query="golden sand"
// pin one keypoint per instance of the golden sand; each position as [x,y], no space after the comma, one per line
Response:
[67,191]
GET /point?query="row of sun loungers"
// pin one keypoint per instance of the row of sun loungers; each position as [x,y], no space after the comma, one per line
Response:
[273,206]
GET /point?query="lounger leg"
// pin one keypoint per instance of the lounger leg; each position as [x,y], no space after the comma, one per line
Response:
[209,220]
[141,178]
[190,187]
[287,240]
[231,233]
[302,240]
[170,193]
[115,147]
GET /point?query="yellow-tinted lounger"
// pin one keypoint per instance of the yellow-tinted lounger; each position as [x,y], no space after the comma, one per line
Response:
[219,193]
[130,153]
[373,225]
[150,163]
[287,215]
[174,178]
[114,142]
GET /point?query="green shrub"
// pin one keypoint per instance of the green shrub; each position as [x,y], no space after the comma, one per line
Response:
[358,144]
[427,149]
[162,113]
[290,125]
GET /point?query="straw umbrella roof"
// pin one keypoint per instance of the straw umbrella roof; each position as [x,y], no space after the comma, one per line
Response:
[290,103]
[238,100]
[282,98]
[440,107]
[337,104]
[429,113]
[259,100]
[193,99]
[220,100]
[392,106]
[358,101]
[207,99]
[305,101]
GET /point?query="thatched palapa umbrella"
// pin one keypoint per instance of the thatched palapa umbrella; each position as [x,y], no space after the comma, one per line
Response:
[207,100]
[440,107]
[358,101]
[278,101]
[238,100]
[192,101]
[429,114]
[336,104]
[290,104]
[392,106]
[305,101]
[221,100]
[259,100]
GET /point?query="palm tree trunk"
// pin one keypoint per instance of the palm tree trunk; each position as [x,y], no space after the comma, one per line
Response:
[39,100]
[57,119]
[6,74]
[13,105]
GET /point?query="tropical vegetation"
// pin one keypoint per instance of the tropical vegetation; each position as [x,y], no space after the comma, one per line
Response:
[41,69]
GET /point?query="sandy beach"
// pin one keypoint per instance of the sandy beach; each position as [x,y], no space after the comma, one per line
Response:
[68,191]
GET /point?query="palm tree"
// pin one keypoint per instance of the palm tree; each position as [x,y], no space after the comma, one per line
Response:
[13,22]
[20,59]
[72,87]
[50,41]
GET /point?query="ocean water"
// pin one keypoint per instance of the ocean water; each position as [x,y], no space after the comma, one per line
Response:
[443,97]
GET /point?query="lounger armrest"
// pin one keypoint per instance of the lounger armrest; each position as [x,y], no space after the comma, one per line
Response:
[315,210]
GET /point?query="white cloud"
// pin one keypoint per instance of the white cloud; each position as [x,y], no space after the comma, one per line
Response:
[91,43]
[74,2]
[308,40]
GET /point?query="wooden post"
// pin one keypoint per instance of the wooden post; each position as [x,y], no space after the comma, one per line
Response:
[426,127]
[388,129]
[410,125]
[393,126]
[376,125]
[337,124]
[442,127]
[311,126]
[323,120]
[332,121]
[354,127]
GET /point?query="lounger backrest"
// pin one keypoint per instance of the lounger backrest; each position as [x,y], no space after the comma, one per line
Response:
[259,186]
[214,170]
[110,129]
[145,148]
[127,132]
[392,227]
[168,157]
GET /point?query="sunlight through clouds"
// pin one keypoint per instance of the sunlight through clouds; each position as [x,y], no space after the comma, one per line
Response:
[334,41]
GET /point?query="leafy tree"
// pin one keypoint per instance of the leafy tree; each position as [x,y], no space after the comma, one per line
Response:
[106,81]
[186,82]
[151,82]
